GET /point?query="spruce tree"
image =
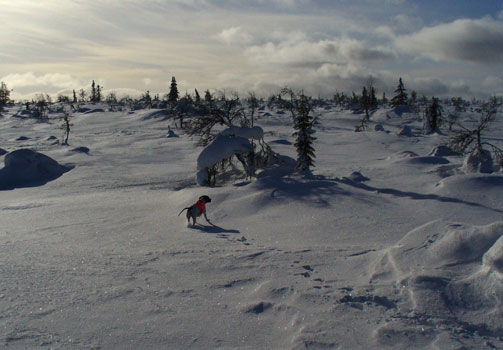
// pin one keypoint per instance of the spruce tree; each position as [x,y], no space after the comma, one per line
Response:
[373,99]
[433,115]
[99,96]
[93,92]
[303,124]
[400,98]
[173,92]
[208,97]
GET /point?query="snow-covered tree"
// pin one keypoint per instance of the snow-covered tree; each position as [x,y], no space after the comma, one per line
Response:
[246,144]
[400,99]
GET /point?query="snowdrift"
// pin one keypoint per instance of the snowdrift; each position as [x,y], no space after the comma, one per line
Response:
[27,168]
[445,269]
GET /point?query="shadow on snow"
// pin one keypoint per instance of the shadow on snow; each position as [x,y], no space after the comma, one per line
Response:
[213,229]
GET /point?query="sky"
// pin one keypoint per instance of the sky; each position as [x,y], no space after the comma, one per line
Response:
[439,48]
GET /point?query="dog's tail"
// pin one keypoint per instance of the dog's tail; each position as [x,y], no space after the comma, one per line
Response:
[183,210]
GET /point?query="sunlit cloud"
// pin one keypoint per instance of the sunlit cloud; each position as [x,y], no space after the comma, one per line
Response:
[478,41]
[234,35]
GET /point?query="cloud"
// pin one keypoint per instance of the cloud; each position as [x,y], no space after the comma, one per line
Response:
[479,41]
[233,35]
[494,84]
[430,86]
[51,82]
[304,52]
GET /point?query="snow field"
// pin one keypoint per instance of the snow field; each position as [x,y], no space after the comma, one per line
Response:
[386,246]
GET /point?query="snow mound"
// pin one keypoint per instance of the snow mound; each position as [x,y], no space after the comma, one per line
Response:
[472,184]
[427,160]
[402,155]
[27,168]
[443,151]
[81,149]
[399,111]
[153,114]
[171,134]
[448,269]
[405,131]
[478,163]
[493,259]
[379,127]
[381,115]
[356,176]
[255,132]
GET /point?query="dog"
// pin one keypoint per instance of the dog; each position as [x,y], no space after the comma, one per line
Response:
[197,209]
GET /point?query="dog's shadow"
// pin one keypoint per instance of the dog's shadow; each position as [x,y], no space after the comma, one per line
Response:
[213,229]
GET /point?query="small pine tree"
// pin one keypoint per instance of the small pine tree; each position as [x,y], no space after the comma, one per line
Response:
[147,100]
[208,97]
[66,126]
[365,103]
[4,95]
[400,98]
[93,92]
[354,100]
[198,97]
[99,96]
[303,124]
[384,99]
[74,97]
[173,92]
[82,95]
[432,116]
[373,99]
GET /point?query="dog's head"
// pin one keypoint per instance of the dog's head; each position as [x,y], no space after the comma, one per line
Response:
[205,199]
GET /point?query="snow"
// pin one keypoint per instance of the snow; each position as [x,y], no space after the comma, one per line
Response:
[24,167]
[389,244]
[255,133]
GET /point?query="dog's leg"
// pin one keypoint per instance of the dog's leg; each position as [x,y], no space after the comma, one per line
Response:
[188,216]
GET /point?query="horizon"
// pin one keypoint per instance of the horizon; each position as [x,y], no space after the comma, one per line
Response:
[454,48]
